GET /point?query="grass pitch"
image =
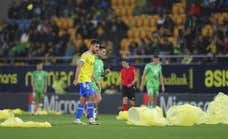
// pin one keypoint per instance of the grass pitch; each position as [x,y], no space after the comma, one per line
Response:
[110,128]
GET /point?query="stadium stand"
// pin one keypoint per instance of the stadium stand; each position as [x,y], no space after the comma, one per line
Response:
[40,28]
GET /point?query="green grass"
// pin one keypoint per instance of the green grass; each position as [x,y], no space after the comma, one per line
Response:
[110,129]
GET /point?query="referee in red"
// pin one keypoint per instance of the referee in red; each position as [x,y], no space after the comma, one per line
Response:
[128,80]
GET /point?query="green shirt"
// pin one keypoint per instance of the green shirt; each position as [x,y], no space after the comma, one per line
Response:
[39,78]
[98,72]
[98,68]
[153,72]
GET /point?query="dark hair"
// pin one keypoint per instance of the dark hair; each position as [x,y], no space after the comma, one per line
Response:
[155,56]
[128,60]
[94,42]
[39,62]
[102,47]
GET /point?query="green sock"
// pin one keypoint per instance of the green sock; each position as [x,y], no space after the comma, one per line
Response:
[150,105]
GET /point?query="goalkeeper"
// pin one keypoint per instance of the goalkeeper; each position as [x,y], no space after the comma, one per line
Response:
[39,86]
[153,77]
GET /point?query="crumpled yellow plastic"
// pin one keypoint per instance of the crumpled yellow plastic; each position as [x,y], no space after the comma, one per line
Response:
[144,116]
[17,122]
[179,115]
[45,112]
[123,115]
[217,110]
[5,114]
[185,115]
[42,112]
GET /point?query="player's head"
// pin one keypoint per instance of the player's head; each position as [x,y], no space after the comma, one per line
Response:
[94,46]
[156,59]
[125,63]
[39,66]
[101,52]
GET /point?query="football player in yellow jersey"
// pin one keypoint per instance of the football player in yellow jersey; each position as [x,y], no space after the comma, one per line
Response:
[83,78]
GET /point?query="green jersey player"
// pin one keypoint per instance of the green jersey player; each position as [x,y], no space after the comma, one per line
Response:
[39,85]
[98,72]
[152,76]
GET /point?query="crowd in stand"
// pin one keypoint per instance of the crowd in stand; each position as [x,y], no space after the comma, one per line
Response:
[34,28]
[192,38]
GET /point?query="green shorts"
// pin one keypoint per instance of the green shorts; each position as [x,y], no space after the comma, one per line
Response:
[38,96]
[96,88]
[153,90]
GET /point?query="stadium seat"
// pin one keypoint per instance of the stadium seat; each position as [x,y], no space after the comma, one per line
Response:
[124,53]
[65,23]
[152,22]
[142,33]
[124,44]
[221,18]
[146,21]
[179,20]
[139,21]
[181,10]
[131,3]
[207,31]
[114,3]
[117,3]
[126,3]
[175,32]
[183,3]
[87,42]
[129,11]
[121,3]
[117,10]
[137,40]
[173,40]
[175,9]
[183,16]
[120,11]
[130,33]
[135,33]
[70,21]
[155,17]
[127,20]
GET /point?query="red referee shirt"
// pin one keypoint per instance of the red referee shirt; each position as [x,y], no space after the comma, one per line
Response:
[127,75]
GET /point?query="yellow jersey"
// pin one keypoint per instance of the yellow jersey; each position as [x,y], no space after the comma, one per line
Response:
[86,72]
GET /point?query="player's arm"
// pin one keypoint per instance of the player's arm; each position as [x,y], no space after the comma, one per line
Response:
[77,72]
[162,82]
[142,82]
[45,84]
[135,78]
[78,68]
[121,80]
[143,78]
[32,83]
[95,80]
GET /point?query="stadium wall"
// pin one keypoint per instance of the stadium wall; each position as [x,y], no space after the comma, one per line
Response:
[178,78]
[110,104]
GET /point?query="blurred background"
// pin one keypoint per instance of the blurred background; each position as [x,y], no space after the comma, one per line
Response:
[190,36]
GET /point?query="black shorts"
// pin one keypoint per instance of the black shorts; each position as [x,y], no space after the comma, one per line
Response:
[128,92]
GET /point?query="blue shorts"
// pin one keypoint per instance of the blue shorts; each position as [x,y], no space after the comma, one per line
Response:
[86,89]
